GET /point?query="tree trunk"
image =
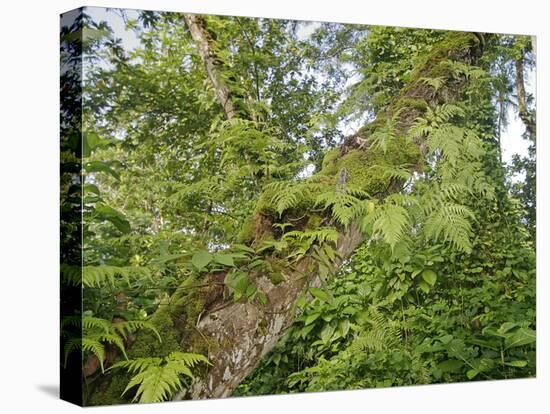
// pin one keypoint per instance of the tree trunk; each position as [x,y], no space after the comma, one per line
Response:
[525,114]
[234,335]
[211,61]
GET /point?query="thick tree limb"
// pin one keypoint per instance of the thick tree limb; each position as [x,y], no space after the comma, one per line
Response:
[234,335]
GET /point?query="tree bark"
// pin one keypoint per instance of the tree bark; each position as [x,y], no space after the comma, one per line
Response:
[525,114]
[234,335]
[211,61]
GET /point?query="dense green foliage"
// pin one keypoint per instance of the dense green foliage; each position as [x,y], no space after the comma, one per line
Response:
[442,289]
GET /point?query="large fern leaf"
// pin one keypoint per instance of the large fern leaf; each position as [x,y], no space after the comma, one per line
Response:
[158,378]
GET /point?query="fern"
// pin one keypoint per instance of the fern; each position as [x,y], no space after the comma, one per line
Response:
[378,334]
[383,135]
[286,195]
[435,83]
[451,223]
[303,241]
[97,332]
[158,378]
[125,328]
[388,221]
[343,203]
[448,140]
[97,276]
[397,172]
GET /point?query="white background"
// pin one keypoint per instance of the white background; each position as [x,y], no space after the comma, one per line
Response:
[29,205]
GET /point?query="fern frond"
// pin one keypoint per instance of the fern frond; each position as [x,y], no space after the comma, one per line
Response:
[378,334]
[71,345]
[383,135]
[97,276]
[445,112]
[158,378]
[128,327]
[390,221]
[435,83]
[451,223]
[189,359]
[303,241]
[447,139]
[95,347]
[397,172]
[289,194]
[90,322]
[344,204]
[137,365]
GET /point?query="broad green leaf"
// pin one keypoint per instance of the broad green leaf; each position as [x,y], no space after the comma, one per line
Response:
[311,318]
[250,290]
[507,326]
[424,286]
[104,212]
[523,336]
[429,276]
[320,294]
[201,259]
[244,248]
[91,141]
[472,373]
[446,339]
[301,302]
[327,332]
[100,166]
[451,365]
[343,327]
[224,259]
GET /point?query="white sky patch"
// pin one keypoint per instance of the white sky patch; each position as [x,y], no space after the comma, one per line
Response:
[306,29]
[113,17]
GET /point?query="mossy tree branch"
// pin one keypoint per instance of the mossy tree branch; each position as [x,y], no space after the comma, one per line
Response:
[236,335]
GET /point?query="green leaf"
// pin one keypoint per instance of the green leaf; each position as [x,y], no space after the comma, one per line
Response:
[451,365]
[320,294]
[224,259]
[519,363]
[250,290]
[446,339]
[429,276]
[311,318]
[91,141]
[262,297]
[100,166]
[301,302]
[119,220]
[521,337]
[424,286]
[472,373]
[327,332]
[507,326]
[201,259]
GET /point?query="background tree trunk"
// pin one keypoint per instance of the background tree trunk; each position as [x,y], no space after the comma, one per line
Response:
[211,61]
